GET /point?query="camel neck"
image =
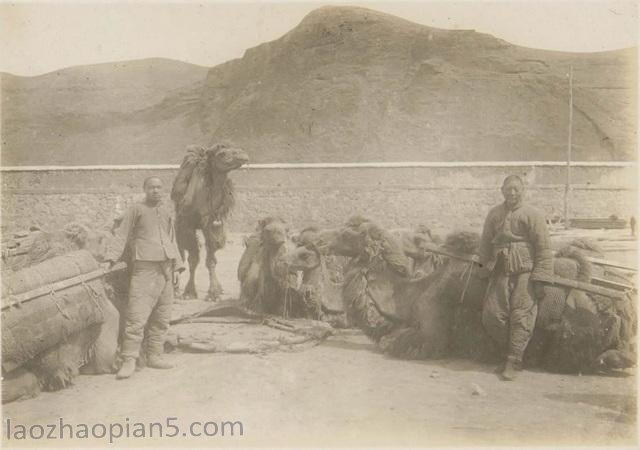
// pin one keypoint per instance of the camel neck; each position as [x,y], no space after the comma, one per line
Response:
[220,194]
[312,276]
[218,178]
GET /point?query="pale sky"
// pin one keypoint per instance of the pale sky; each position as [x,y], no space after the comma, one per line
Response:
[39,38]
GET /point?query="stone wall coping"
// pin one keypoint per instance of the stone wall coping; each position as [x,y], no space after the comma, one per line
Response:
[359,165]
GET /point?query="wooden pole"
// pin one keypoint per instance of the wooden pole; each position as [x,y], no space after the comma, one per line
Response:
[16,300]
[567,189]
[610,263]
[555,280]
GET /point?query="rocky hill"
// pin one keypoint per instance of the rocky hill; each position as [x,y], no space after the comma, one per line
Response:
[95,114]
[347,84]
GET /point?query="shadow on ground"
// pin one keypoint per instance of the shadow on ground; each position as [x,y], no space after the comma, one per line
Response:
[622,405]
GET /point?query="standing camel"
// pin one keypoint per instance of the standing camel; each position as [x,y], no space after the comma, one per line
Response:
[204,196]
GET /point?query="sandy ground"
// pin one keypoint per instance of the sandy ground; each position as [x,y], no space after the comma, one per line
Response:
[342,392]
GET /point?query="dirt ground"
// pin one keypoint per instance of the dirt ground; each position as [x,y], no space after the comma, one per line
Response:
[343,392]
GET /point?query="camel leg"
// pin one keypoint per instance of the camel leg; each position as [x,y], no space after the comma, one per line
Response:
[215,289]
[194,259]
[187,241]
[214,238]
[176,284]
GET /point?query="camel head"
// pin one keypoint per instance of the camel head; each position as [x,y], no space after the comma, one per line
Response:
[464,242]
[303,259]
[358,238]
[351,240]
[368,242]
[273,231]
[225,158]
[316,238]
[414,242]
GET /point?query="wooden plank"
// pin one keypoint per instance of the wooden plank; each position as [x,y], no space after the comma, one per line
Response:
[612,284]
[610,263]
[587,287]
[551,280]
[15,252]
[15,300]
[474,258]
[230,320]
[434,248]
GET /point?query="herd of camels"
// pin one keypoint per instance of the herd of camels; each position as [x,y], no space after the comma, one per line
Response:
[413,303]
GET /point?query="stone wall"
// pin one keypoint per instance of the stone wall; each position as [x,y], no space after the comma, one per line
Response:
[441,196]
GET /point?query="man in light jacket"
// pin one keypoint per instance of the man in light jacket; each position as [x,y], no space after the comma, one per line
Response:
[515,253]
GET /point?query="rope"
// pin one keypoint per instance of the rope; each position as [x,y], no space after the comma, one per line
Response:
[65,330]
[380,312]
[94,295]
[287,299]
[55,302]
[287,306]
[467,271]
[324,278]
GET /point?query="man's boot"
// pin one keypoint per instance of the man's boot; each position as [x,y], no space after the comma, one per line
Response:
[510,372]
[158,362]
[127,369]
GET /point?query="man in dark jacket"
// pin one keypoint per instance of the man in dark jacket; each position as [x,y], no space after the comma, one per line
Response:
[147,234]
[515,253]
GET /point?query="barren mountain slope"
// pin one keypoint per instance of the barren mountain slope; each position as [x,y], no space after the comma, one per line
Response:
[93,114]
[347,84]
[353,84]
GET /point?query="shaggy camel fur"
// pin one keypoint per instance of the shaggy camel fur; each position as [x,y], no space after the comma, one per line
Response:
[376,277]
[39,245]
[91,350]
[322,275]
[267,283]
[440,314]
[204,197]
[575,332]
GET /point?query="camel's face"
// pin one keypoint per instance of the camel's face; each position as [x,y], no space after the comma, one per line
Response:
[274,233]
[414,244]
[306,237]
[226,159]
[303,258]
[319,239]
[350,241]
[347,242]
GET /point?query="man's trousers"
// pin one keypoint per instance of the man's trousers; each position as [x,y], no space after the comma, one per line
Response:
[509,313]
[149,308]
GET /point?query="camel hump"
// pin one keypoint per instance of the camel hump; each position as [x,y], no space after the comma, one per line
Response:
[464,242]
[196,156]
[571,262]
[588,247]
